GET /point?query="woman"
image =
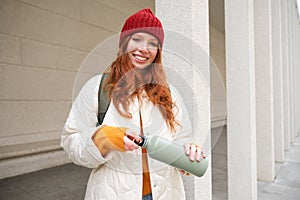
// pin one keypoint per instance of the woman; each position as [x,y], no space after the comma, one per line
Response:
[142,102]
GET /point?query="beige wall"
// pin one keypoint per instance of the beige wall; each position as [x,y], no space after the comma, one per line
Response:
[42,44]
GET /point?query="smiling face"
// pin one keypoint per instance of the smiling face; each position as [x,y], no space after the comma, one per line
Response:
[142,49]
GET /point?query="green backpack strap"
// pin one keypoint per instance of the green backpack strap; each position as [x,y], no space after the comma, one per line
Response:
[103,100]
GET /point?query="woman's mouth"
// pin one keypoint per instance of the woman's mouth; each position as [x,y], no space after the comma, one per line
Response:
[140,58]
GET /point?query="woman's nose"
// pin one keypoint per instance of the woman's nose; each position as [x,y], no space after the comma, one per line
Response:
[143,46]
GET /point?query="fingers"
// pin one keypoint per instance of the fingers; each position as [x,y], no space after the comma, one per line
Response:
[133,135]
[129,144]
[182,172]
[198,155]
[194,152]
[129,138]
[187,149]
[203,154]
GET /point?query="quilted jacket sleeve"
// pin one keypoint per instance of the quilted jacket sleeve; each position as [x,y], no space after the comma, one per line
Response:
[80,126]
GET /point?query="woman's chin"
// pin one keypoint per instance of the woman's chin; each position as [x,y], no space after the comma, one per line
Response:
[140,66]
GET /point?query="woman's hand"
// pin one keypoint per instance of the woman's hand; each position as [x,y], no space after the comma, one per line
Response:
[129,138]
[109,138]
[182,172]
[194,151]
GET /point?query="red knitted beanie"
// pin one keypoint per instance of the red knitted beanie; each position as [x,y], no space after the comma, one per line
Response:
[143,21]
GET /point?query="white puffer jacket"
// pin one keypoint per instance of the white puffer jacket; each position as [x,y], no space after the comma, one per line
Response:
[119,174]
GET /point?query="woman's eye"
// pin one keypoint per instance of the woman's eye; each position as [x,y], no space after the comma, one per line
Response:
[136,39]
[154,44]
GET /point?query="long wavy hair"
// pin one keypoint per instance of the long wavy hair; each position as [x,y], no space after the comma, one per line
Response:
[125,82]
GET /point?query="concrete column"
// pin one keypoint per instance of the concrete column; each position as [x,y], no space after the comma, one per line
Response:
[277,81]
[294,26]
[264,90]
[290,10]
[285,64]
[241,119]
[190,18]
[297,68]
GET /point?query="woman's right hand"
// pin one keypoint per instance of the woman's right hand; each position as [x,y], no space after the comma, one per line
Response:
[109,138]
[129,138]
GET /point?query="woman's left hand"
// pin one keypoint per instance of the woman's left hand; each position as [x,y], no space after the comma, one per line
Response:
[194,151]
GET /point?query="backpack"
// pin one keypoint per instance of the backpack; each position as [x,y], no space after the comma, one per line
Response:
[103,100]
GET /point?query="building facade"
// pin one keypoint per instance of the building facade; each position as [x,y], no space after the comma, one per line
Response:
[248,53]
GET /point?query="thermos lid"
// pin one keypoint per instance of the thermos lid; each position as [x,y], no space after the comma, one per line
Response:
[142,142]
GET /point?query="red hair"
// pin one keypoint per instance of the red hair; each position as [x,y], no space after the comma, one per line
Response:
[125,82]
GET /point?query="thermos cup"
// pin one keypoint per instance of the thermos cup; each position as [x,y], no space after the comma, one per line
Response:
[173,154]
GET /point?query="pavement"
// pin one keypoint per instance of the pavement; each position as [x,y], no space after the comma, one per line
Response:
[285,186]
[65,182]
[68,182]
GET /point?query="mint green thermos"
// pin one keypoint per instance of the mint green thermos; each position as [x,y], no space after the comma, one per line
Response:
[173,154]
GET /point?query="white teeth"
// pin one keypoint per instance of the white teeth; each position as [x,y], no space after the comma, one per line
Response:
[140,58]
